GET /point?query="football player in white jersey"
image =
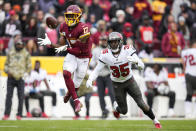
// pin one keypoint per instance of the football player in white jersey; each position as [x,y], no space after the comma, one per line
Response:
[156,79]
[189,64]
[119,59]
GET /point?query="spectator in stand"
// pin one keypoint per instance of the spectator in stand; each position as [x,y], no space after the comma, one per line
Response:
[193,9]
[10,25]
[2,50]
[173,42]
[31,28]
[166,20]
[32,47]
[129,13]
[141,6]
[2,14]
[184,30]
[118,24]
[193,31]
[105,5]
[114,7]
[96,10]
[158,8]
[6,9]
[45,5]
[101,30]
[145,33]
[187,14]
[156,79]
[40,17]
[17,65]
[127,32]
[176,7]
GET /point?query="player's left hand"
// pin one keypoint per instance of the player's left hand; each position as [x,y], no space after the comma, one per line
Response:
[132,59]
[62,48]
[45,41]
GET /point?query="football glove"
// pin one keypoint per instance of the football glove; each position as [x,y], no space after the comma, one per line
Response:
[89,83]
[45,41]
[62,48]
[132,59]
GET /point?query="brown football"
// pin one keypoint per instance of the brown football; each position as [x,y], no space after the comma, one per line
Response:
[51,22]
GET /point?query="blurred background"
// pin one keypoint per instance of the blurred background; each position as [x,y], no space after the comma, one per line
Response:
[158,29]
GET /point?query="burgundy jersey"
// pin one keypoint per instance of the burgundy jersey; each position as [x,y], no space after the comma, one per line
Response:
[73,35]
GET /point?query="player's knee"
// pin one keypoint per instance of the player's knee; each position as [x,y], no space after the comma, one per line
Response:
[189,97]
[66,74]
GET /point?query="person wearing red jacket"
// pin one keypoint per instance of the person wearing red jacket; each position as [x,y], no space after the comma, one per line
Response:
[173,42]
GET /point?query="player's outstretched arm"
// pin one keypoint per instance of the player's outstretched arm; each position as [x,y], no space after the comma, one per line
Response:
[44,41]
[94,74]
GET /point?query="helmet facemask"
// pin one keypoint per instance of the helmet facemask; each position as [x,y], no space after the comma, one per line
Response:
[115,45]
[72,19]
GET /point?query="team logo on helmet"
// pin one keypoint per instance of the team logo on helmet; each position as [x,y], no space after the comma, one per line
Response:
[73,15]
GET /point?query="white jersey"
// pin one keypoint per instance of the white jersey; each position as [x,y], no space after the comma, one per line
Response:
[189,58]
[120,67]
[157,80]
[37,77]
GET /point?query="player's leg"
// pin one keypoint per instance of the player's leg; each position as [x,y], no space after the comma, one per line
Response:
[134,91]
[9,95]
[77,115]
[79,74]
[69,66]
[188,101]
[26,99]
[101,92]
[120,105]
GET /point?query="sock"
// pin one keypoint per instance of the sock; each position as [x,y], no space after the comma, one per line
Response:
[194,113]
[155,121]
[69,83]
[150,114]
[188,108]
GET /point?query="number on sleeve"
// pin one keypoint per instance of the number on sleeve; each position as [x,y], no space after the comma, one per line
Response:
[85,29]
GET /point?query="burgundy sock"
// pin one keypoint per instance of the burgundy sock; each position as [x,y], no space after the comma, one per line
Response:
[69,83]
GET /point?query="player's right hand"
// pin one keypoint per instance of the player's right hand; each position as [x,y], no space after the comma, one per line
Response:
[89,83]
[45,41]
[62,48]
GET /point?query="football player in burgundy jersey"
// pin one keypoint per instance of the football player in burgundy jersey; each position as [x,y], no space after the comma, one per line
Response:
[77,34]
[189,64]
[119,59]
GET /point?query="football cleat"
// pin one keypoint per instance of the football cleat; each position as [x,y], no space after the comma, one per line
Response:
[29,115]
[6,117]
[44,115]
[158,125]
[76,117]
[116,114]
[18,117]
[67,97]
[78,106]
[87,117]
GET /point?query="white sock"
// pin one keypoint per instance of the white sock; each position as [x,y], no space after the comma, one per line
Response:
[194,113]
[156,120]
[115,105]
[188,108]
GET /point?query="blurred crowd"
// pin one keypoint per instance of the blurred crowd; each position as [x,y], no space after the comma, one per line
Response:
[157,28]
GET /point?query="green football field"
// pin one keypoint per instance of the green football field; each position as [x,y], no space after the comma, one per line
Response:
[96,125]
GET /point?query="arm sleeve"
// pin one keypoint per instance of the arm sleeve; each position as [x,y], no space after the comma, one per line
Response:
[96,71]
[85,32]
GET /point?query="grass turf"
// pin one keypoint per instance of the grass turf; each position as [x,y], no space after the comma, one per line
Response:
[96,125]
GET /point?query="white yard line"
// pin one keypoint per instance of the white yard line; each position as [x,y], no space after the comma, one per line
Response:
[8,126]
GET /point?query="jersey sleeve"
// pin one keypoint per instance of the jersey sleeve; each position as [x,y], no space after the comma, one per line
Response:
[84,32]
[102,58]
[147,74]
[44,74]
[165,74]
[130,49]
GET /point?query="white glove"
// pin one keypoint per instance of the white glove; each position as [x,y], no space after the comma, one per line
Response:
[62,48]
[45,41]
[132,59]
[89,83]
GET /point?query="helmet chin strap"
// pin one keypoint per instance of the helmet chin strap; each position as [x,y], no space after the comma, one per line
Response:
[115,50]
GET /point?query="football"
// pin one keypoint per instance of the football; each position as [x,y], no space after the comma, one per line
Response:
[51,22]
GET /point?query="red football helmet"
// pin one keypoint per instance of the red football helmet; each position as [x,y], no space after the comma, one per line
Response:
[73,15]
